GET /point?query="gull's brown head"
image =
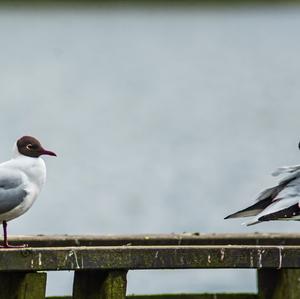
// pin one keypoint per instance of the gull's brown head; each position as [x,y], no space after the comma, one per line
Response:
[31,147]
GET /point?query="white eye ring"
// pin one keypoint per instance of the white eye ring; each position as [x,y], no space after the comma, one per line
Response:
[29,146]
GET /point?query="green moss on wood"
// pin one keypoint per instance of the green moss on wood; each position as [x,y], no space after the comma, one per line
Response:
[279,284]
[99,285]
[149,257]
[21,285]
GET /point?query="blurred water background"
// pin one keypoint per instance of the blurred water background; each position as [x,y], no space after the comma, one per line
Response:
[164,120]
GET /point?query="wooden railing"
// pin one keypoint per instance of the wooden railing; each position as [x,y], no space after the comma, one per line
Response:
[100,263]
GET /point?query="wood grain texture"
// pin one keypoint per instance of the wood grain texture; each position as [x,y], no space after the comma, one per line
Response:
[149,257]
[158,239]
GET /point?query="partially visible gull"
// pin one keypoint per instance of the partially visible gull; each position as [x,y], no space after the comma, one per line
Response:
[280,202]
[21,180]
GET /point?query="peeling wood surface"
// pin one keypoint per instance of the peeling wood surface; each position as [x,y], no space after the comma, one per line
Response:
[149,257]
[158,239]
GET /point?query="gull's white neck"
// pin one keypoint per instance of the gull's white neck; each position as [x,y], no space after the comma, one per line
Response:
[33,168]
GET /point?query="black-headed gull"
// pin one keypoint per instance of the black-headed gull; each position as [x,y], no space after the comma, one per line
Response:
[277,203]
[21,180]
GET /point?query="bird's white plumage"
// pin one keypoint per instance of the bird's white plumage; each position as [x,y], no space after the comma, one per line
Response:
[20,174]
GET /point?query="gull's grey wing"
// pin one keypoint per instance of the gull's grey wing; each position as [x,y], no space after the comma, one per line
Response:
[289,180]
[12,191]
[291,183]
[286,169]
[281,209]
[285,206]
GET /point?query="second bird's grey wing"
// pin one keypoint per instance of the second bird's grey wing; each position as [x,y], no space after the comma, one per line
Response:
[285,205]
[12,191]
[266,197]
[286,169]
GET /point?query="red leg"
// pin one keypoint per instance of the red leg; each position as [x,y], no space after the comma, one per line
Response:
[6,245]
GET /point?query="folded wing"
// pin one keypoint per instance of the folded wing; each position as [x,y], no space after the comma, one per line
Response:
[12,190]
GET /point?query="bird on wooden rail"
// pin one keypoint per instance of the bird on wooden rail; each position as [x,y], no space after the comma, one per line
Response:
[280,202]
[21,180]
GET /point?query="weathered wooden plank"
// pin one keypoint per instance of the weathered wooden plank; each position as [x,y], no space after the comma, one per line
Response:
[99,285]
[278,284]
[22,285]
[196,296]
[158,239]
[115,284]
[149,257]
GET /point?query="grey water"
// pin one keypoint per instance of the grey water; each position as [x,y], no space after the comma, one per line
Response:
[164,120]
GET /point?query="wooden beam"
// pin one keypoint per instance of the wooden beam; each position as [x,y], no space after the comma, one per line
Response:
[22,285]
[158,239]
[99,285]
[149,257]
[278,284]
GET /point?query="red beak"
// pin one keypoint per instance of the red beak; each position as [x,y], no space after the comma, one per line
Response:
[49,153]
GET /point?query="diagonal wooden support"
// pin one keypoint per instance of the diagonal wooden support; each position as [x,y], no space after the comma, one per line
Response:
[99,284]
[22,285]
[278,283]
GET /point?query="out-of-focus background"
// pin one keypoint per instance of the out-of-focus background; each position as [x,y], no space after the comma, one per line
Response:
[165,118]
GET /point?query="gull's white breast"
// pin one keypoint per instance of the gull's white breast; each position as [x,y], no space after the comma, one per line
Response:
[33,174]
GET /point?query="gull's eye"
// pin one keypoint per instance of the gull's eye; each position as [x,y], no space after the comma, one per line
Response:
[29,146]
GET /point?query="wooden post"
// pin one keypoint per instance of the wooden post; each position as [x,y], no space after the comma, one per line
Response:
[22,285]
[278,284]
[96,284]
